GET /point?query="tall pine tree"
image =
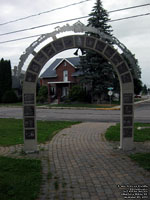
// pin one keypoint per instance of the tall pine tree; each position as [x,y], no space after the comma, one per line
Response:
[98,73]
[5,77]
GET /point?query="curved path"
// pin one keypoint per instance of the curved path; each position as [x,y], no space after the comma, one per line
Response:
[84,166]
[78,164]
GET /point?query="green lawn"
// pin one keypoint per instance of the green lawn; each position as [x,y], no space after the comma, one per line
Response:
[20,179]
[113,133]
[10,104]
[83,105]
[86,105]
[11,130]
[143,159]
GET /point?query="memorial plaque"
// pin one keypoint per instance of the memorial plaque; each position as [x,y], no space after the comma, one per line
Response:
[30,134]
[58,45]
[127,109]
[127,121]
[34,67]
[90,42]
[127,132]
[79,41]
[28,98]
[68,41]
[41,58]
[126,78]
[100,46]
[29,122]
[122,68]
[30,77]
[116,59]
[127,98]
[49,50]
[29,111]
[109,51]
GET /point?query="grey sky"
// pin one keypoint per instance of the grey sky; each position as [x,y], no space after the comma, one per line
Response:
[133,33]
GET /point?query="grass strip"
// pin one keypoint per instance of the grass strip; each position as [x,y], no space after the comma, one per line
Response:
[113,133]
[143,160]
[11,130]
[20,179]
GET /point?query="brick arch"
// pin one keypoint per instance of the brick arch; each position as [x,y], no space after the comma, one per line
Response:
[70,42]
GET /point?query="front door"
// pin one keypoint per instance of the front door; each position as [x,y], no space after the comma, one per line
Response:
[65,91]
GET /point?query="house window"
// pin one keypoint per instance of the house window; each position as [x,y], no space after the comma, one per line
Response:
[65,75]
[65,64]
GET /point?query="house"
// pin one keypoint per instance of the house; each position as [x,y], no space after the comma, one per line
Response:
[60,76]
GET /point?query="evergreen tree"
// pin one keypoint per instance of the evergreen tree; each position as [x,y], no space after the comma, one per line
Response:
[5,77]
[98,73]
[145,90]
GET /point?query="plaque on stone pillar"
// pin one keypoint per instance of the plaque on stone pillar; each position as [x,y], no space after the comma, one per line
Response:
[127,132]
[28,98]
[126,78]
[100,46]
[41,58]
[58,45]
[127,109]
[116,59]
[68,41]
[29,111]
[29,134]
[49,50]
[34,67]
[30,77]
[109,51]
[90,42]
[127,98]
[29,123]
[127,121]
[122,68]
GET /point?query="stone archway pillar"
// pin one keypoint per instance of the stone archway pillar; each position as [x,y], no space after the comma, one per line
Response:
[127,117]
[29,113]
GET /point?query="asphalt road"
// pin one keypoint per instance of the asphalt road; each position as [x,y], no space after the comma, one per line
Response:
[142,114]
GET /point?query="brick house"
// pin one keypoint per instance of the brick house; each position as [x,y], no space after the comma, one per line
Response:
[60,76]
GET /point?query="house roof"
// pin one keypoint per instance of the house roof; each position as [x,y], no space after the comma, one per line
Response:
[51,72]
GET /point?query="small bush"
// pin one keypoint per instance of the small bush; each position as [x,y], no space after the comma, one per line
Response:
[42,94]
[77,93]
[9,97]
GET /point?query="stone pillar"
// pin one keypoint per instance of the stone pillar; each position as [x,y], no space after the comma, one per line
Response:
[127,119]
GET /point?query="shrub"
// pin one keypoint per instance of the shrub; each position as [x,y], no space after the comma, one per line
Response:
[9,97]
[77,93]
[42,94]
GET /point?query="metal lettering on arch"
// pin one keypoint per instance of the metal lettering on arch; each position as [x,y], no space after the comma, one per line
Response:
[85,42]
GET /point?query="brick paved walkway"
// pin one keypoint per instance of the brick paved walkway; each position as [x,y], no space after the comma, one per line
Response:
[78,164]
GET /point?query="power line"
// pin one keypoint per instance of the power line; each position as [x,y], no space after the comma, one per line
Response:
[128,8]
[146,14]
[134,16]
[41,26]
[55,9]
[45,12]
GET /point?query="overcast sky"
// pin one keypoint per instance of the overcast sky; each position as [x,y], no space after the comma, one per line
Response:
[133,33]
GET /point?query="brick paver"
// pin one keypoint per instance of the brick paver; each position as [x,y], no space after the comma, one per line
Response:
[78,164]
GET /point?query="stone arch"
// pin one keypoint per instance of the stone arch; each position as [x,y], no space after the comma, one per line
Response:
[84,42]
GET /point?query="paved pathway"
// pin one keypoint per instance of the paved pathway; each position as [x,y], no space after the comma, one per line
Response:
[78,164]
